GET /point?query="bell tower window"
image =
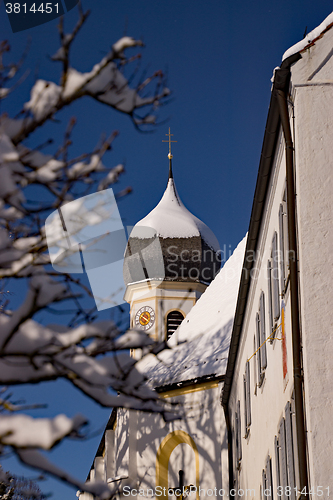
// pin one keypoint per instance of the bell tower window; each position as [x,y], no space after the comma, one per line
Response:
[174,318]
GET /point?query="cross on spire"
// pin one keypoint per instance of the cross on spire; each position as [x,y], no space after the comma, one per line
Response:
[169,141]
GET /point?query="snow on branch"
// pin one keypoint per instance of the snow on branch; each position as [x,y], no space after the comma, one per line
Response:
[92,355]
[105,83]
[23,431]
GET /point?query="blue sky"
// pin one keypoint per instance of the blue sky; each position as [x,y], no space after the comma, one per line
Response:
[219,57]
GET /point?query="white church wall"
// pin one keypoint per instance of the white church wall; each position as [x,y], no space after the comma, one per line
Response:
[313,86]
[194,444]
[99,468]
[121,442]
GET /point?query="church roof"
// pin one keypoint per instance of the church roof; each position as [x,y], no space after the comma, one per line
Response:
[200,346]
[171,219]
[173,244]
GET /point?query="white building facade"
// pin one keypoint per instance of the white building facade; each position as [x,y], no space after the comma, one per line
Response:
[278,394]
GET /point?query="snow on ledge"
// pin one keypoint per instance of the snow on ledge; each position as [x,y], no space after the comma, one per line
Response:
[310,37]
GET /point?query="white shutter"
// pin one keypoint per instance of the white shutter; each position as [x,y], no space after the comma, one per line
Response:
[277,462]
[293,427]
[258,352]
[239,432]
[282,254]
[263,351]
[245,403]
[290,451]
[283,458]
[270,298]
[263,479]
[269,484]
[248,394]
[275,278]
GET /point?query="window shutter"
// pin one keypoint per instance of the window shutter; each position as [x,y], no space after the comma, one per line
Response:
[283,458]
[270,310]
[290,451]
[245,403]
[248,393]
[239,433]
[236,440]
[258,352]
[263,476]
[275,278]
[269,484]
[293,428]
[282,255]
[263,351]
[277,462]
[174,318]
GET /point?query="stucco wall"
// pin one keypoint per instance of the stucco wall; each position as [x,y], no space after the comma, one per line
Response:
[196,439]
[313,84]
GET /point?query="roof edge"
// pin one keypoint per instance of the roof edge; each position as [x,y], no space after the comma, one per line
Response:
[186,383]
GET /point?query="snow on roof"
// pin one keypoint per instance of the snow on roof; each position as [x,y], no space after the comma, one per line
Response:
[309,38]
[171,219]
[200,346]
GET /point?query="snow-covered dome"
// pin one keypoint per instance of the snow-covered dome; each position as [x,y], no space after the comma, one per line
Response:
[171,243]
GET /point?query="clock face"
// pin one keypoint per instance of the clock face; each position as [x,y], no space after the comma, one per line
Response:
[145,318]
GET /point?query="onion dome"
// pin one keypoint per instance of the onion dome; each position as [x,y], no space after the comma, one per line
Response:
[171,244]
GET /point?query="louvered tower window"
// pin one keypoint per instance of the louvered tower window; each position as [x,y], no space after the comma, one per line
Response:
[174,318]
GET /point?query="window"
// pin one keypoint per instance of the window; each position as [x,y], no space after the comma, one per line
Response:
[238,436]
[283,243]
[174,318]
[267,486]
[284,456]
[247,399]
[261,337]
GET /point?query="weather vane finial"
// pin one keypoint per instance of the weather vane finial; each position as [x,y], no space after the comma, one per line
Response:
[169,141]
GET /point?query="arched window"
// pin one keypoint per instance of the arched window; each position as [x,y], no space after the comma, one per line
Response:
[174,318]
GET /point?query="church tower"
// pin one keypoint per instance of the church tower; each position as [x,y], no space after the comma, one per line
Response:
[170,259]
